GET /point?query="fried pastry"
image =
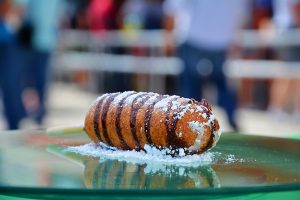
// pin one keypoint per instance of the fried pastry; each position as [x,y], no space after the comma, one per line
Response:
[131,120]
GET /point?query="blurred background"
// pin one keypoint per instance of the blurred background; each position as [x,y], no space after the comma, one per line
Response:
[57,56]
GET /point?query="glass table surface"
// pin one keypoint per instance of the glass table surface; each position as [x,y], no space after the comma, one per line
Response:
[36,165]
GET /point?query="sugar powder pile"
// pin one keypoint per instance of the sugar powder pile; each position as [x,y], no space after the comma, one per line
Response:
[149,156]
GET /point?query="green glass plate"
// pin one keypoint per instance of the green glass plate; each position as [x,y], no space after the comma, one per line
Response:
[33,165]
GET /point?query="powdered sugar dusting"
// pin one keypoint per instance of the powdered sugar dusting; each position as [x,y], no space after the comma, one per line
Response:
[163,104]
[182,111]
[175,105]
[197,128]
[217,133]
[122,95]
[154,158]
[130,99]
[144,95]
[153,98]
[200,108]
[152,154]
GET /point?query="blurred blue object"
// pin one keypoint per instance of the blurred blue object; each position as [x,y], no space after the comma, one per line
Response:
[43,17]
[204,31]
[10,73]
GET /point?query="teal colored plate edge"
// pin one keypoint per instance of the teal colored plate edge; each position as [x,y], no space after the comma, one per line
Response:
[295,137]
[4,197]
[7,190]
[258,196]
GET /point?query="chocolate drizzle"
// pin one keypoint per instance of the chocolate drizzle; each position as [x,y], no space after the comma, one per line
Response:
[170,127]
[104,115]
[207,107]
[208,111]
[214,127]
[148,118]
[173,140]
[118,120]
[134,110]
[96,117]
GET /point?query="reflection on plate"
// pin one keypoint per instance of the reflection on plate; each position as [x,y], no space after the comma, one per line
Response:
[256,162]
[112,174]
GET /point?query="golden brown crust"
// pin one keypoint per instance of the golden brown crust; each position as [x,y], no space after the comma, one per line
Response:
[89,124]
[130,120]
[125,127]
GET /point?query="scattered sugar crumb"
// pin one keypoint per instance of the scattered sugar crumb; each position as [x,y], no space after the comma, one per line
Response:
[163,104]
[231,159]
[181,152]
[130,99]
[183,109]
[196,127]
[151,99]
[119,97]
[179,134]
[200,108]
[175,105]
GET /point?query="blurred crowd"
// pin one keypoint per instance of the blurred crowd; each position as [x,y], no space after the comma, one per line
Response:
[204,33]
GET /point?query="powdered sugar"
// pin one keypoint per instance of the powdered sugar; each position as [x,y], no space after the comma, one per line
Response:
[200,108]
[122,95]
[130,99]
[156,160]
[153,98]
[204,115]
[217,133]
[179,134]
[183,110]
[151,155]
[163,104]
[196,127]
[144,96]
[175,105]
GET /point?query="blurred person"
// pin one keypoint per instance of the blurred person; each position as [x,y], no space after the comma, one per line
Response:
[10,68]
[153,17]
[204,31]
[132,14]
[42,18]
[286,16]
[106,16]
[76,14]
[139,16]
[142,14]
[253,92]
[100,15]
